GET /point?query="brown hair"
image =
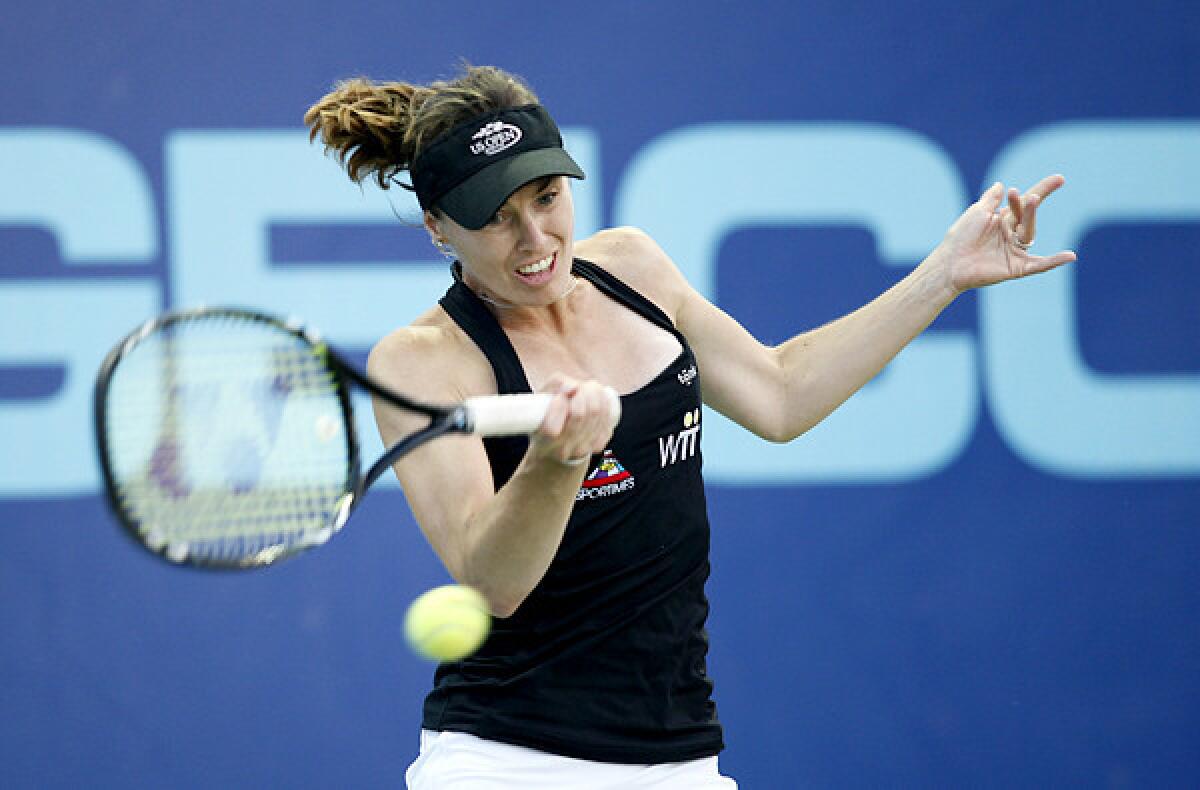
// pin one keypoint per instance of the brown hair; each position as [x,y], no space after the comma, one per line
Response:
[379,128]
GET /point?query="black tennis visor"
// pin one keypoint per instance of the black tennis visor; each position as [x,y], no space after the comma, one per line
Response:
[470,171]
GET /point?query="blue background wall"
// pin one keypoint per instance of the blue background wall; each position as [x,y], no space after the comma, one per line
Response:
[982,572]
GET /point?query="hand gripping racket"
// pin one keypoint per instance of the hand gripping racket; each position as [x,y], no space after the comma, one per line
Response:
[226,436]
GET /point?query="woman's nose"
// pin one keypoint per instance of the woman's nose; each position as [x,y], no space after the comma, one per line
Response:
[532,234]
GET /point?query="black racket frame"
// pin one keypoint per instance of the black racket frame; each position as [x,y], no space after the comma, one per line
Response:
[443,419]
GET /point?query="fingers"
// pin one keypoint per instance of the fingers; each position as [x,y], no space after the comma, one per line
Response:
[993,195]
[1014,203]
[1027,228]
[1047,186]
[1033,198]
[1038,264]
[579,421]
[1023,211]
[990,199]
[1020,215]
[1015,214]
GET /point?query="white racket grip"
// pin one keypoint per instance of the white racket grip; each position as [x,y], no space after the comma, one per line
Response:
[506,415]
[512,415]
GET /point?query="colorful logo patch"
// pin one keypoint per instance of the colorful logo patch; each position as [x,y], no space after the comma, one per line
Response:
[608,478]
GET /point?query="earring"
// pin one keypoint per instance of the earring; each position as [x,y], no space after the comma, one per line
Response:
[445,249]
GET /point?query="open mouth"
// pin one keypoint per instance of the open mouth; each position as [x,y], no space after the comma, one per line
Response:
[540,271]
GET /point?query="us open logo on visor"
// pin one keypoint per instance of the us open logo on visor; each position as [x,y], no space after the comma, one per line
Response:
[495,137]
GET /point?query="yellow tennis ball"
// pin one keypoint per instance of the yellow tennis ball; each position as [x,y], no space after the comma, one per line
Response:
[447,623]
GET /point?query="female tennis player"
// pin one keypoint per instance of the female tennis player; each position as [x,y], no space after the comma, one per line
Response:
[591,544]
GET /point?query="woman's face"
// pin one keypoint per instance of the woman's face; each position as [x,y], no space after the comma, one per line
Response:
[523,255]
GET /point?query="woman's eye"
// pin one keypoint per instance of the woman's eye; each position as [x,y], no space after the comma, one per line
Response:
[546,198]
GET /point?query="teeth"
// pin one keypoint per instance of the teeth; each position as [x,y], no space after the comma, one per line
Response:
[539,266]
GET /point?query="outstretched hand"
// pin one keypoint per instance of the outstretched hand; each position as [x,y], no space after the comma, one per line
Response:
[989,243]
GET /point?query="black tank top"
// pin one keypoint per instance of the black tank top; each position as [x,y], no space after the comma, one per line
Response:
[606,658]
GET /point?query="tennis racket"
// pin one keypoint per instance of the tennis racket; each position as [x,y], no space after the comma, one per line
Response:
[226,436]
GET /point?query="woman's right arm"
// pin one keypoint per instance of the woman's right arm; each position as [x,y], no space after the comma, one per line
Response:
[500,542]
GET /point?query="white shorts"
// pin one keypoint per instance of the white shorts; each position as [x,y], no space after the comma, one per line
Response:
[458,761]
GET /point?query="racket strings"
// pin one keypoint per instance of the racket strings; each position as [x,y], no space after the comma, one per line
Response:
[227,439]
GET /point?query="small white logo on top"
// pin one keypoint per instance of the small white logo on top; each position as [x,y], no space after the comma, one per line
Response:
[495,137]
[681,446]
[686,377]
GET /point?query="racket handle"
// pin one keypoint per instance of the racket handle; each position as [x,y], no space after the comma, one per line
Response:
[511,415]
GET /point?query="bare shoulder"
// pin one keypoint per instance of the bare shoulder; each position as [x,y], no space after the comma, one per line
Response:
[432,359]
[637,260]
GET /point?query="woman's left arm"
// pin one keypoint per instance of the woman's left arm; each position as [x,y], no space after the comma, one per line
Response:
[780,392]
